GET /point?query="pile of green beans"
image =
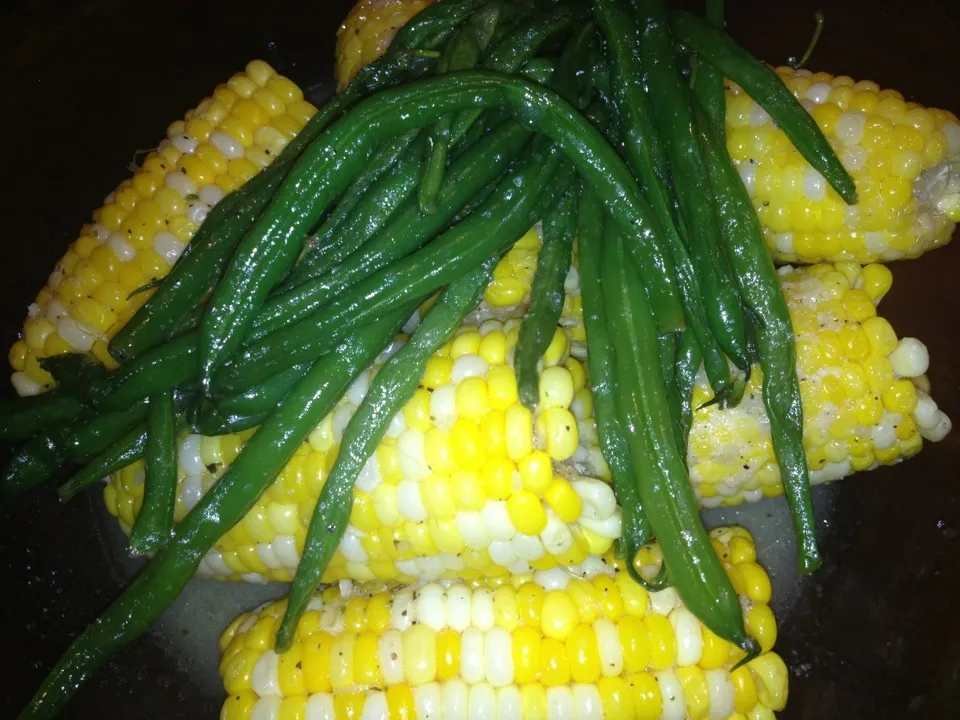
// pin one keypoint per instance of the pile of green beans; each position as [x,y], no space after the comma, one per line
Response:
[415,181]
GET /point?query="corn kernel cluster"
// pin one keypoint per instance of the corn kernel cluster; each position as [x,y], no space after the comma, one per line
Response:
[146,223]
[904,158]
[366,32]
[551,644]
[862,392]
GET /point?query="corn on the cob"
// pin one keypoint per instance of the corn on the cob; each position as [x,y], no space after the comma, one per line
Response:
[469,484]
[904,158]
[366,32]
[546,645]
[146,223]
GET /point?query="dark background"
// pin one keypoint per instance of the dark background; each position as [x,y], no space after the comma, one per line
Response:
[876,634]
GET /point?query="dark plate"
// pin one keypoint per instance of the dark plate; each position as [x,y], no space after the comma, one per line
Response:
[875,634]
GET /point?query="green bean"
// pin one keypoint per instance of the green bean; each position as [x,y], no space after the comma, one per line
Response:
[673,111]
[154,523]
[663,484]
[382,201]
[757,279]
[263,456]
[331,232]
[394,384]
[125,451]
[546,294]
[520,45]
[457,250]
[708,83]
[407,230]
[687,366]
[601,363]
[645,153]
[43,455]
[462,52]
[762,84]
[26,416]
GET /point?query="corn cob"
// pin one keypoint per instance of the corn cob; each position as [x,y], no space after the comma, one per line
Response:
[469,484]
[904,158]
[546,645]
[145,224]
[366,32]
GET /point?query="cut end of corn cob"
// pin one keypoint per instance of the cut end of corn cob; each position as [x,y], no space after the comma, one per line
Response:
[547,645]
[147,222]
[861,387]
[904,158]
[366,33]
[469,483]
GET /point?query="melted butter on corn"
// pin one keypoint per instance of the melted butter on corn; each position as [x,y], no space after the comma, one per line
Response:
[550,644]
[147,222]
[904,158]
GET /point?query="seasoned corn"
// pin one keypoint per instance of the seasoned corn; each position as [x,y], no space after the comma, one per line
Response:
[551,644]
[147,222]
[904,158]
[470,483]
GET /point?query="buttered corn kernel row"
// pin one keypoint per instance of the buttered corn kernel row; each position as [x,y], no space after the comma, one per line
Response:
[550,645]
[147,222]
[468,483]
[904,158]
[863,392]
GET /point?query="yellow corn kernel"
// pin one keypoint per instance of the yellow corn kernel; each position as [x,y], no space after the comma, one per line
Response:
[527,649]
[744,690]
[663,643]
[437,372]
[762,625]
[556,664]
[583,654]
[519,432]
[771,675]
[472,398]
[559,615]
[527,513]
[646,695]
[557,432]
[696,694]
[501,387]
[530,599]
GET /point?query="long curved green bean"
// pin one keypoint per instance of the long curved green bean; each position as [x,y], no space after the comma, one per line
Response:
[128,449]
[546,294]
[263,456]
[762,84]
[663,484]
[601,363]
[394,384]
[154,523]
[757,279]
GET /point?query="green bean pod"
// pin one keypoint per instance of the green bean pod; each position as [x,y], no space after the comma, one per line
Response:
[154,523]
[461,53]
[673,111]
[454,252]
[330,234]
[406,231]
[762,84]
[646,155]
[43,455]
[663,484]
[744,242]
[128,449]
[546,294]
[382,201]
[687,366]
[519,46]
[601,364]
[26,416]
[708,82]
[395,383]
[263,456]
